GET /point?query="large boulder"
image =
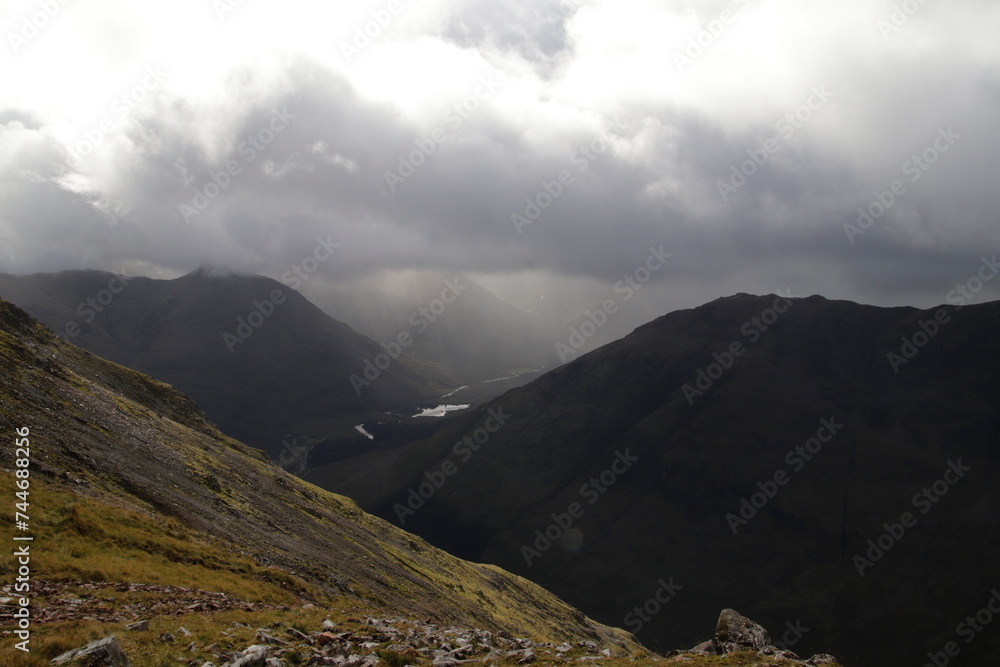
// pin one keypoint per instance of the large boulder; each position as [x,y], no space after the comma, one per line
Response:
[105,652]
[735,632]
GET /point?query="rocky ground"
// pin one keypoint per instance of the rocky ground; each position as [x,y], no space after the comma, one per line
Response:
[103,601]
[366,643]
[399,641]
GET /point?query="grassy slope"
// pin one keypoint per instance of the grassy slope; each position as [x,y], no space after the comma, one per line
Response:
[132,484]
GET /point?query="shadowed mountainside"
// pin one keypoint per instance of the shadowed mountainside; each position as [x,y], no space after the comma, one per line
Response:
[763,479]
[286,368]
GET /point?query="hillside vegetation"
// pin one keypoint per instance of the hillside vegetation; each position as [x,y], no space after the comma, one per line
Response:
[141,509]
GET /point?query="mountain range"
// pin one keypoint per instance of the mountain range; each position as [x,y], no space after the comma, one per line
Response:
[145,536]
[813,462]
[259,358]
[139,508]
[817,464]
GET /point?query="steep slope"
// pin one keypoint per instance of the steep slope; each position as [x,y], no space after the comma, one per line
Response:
[260,359]
[474,333]
[743,453]
[134,492]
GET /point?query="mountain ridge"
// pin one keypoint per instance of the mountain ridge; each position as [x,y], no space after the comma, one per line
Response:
[715,401]
[256,355]
[146,516]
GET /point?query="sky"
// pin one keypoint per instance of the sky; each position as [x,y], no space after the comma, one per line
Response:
[545,147]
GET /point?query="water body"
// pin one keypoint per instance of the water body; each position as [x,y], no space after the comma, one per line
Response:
[441,410]
[480,392]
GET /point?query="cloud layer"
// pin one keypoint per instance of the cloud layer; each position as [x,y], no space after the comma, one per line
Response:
[541,145]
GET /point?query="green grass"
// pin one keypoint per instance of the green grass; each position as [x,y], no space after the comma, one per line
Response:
[80,539]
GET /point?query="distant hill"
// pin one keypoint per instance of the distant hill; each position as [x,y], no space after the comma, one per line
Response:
[259,358]
[141,511]
[806,461]
[473,333]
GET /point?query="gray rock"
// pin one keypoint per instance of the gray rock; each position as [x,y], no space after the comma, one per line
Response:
[296,634]
[398,648]
[138,626]
[262,636]
[493,657]
[704,647]
[527,657]
[105,652]
[254,656]
[735,632]
[785,654]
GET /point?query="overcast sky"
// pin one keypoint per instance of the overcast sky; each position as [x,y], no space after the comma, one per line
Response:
[429,141]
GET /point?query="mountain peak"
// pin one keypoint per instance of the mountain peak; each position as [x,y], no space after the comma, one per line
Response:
[210,271]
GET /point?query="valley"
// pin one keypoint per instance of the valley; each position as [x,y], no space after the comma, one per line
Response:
[748,454]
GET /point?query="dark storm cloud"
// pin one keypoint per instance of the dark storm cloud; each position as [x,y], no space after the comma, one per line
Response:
[496,188]
[46,227]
